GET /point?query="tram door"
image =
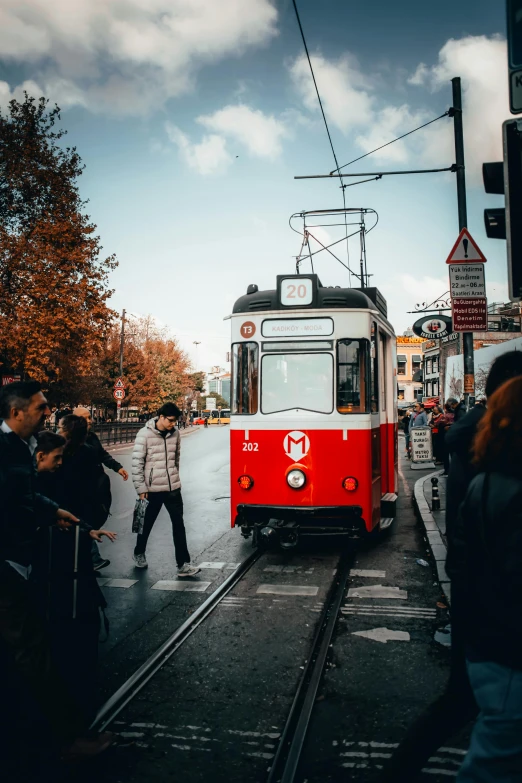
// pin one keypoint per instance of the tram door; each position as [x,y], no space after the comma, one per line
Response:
[375,425]
[386,481]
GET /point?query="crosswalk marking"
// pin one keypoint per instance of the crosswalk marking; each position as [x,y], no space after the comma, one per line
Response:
[182,587]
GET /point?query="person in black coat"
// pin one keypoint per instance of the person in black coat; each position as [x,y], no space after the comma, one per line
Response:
[103,484]
[23,633]
[486,559]
[456,706]
[73,615]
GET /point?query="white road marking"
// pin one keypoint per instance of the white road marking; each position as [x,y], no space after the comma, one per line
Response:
[382,613]
[368,572]
[184,587]
[288,589]
[383,635]
[261,755]
[129,734]
[125,583]
[400,608]
[211,565]
[438,771]
[377,591]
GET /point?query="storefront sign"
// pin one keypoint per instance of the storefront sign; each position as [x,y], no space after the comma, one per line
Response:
[421,446]
[433,327]
[470,315]
[7,379]
[297,327]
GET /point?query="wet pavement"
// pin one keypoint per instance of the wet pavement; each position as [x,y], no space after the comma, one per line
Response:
[217,709]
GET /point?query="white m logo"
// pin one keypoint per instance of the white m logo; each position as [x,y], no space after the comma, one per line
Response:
[296,445]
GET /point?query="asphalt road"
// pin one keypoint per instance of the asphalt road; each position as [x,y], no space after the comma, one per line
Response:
[134,595]
[215,712]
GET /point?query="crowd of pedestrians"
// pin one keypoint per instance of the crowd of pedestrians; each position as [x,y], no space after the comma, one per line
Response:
[56,498]
[484,563]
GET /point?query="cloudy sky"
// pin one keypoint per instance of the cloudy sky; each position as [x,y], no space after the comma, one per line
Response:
[194,116]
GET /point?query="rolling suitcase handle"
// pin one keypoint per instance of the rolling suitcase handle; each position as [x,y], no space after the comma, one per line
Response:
[75,569]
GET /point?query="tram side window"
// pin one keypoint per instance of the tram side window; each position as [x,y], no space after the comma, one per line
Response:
[351,376]
[374,371]
[245,364]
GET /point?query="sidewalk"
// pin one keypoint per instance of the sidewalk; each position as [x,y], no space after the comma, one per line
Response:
[434,524]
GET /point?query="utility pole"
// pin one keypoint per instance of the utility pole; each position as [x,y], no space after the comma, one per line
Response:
[122,342]
[467,337]
[122,345]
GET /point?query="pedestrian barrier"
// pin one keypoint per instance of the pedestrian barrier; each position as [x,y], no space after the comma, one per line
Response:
[117,431]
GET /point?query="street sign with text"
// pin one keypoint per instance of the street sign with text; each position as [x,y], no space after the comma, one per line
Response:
[119,394]
[470,315]
[467,280]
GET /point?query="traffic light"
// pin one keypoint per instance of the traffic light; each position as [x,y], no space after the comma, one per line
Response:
[506,223]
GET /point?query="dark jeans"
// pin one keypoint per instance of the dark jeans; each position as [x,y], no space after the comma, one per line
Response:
[495,751]
[24,636]
[446,716]
[174,504]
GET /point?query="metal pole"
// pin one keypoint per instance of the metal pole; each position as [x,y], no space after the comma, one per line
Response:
[122,345]
[467,337]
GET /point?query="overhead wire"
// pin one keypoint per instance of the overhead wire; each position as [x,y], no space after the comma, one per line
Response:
[327,129]
[446,114]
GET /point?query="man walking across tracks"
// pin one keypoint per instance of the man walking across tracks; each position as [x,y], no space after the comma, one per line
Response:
[155,473]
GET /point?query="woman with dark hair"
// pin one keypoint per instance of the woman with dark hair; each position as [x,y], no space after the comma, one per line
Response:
[487,557]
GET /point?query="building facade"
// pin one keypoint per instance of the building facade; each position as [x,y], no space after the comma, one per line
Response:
[409,367]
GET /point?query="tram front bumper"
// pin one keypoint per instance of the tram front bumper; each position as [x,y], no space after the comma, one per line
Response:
[307,520]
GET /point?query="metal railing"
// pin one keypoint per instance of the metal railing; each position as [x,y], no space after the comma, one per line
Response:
[117,431]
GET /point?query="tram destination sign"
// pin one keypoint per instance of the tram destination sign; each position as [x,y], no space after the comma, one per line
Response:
[297,327]
[467,280]
[433,327]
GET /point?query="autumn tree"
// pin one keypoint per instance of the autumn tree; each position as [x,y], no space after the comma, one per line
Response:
[54,313]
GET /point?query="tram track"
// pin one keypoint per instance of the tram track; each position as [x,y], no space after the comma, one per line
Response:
[285,765]
[286,762]
[134,684]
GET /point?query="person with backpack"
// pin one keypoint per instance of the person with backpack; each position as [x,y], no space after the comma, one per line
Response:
[68,591]
[103,484]
[155,473]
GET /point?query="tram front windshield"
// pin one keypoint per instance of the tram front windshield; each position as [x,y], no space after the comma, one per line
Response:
[297,380]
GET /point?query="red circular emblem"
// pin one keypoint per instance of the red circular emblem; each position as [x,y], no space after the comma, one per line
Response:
[248,329]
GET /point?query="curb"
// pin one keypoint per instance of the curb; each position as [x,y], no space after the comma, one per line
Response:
[435,540]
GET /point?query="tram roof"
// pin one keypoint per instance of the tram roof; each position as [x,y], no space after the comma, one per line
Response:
[330,297]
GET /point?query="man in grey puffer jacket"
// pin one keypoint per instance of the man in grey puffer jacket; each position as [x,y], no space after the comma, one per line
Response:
[155,473]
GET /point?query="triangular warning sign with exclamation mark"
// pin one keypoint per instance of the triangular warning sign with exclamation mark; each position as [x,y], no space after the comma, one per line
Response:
[465,250]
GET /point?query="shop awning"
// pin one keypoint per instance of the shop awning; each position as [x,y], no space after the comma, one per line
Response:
[401,357]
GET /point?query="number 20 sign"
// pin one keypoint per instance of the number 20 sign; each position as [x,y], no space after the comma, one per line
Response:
[295,292]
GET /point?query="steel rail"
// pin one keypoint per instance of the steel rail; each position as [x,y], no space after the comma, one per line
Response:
[131,687]
[288,755]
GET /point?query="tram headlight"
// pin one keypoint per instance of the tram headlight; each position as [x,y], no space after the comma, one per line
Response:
[296,479]
[245,482]
[350,484]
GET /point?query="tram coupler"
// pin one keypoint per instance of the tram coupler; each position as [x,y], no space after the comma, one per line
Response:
[246,531]
[435,499]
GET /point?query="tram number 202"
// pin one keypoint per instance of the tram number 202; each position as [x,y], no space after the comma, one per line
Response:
[250,446]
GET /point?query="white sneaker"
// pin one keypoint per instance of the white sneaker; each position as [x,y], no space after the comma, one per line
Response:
[140,561]
[188,570]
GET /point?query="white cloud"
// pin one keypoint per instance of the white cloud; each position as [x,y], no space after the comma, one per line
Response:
[259,133]
[127,56]
[388,124]
[210,156]
[481,63]
[355,106]
[343,88]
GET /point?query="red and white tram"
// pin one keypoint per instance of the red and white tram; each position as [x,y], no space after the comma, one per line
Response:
[314,411]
